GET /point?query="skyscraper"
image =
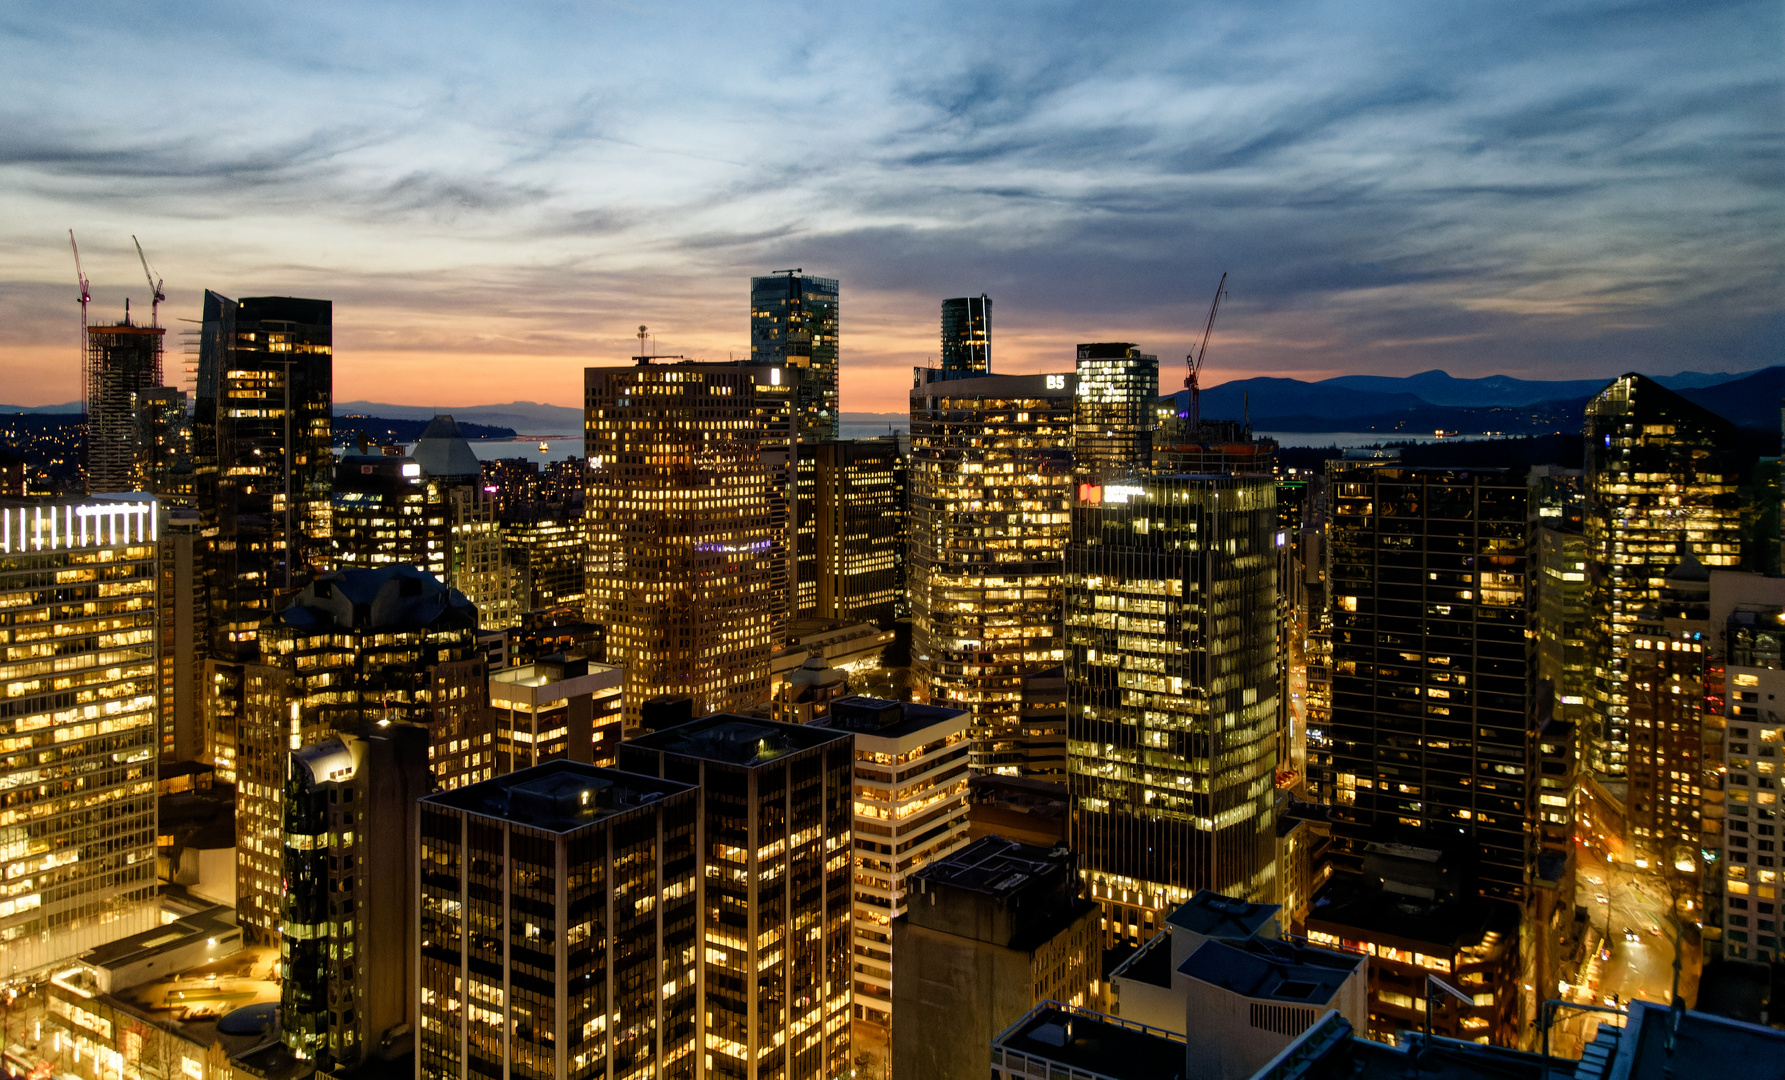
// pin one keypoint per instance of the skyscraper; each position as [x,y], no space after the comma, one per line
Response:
[347,935]
[1113,414]
[793,324]
[581,956]
[688,565]
[1671,647]
[1660,471]
[262,456]
[353,652]
[77,823]
[851,524]
[990,488]
[910,809]
[776,970]
[1431,731]
[122,362]
[1171,671]
[966,337]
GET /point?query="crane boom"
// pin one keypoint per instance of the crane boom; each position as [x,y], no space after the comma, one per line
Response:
[1194,360]
[86,350]
[81,275]
[155,290]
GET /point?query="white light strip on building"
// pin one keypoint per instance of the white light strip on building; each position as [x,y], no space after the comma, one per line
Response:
[111,524]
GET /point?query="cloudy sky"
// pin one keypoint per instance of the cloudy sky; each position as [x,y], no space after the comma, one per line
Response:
[496,195]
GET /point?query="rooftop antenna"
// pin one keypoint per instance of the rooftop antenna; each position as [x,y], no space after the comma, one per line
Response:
[790,273]
[155,289]
[642,356]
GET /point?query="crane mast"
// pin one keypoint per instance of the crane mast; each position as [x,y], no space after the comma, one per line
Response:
[86,347]
[155,290]
[1193,361]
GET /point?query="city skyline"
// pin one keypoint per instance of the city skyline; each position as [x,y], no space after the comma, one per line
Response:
[1572,193]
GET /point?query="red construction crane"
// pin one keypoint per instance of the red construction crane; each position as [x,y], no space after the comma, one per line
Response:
[1194,360]
[86,295]
[154,284]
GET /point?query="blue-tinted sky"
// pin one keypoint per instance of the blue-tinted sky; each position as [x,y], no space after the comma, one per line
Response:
[495,195]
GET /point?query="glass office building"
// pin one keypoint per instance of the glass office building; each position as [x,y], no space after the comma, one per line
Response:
[793,324]
[966,337]
[1171,675]
[1113,415]
[79,719]
[1661,479]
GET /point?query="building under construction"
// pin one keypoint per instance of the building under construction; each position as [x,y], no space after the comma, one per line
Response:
[122,362]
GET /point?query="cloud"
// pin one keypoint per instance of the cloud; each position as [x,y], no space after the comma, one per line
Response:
[1571,188]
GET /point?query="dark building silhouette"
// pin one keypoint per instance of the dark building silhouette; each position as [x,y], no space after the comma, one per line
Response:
[966,337]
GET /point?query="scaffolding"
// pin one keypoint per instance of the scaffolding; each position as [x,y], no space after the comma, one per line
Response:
[122,361]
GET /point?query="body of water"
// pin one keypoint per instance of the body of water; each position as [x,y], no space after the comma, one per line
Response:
[1346,440]
[557,448]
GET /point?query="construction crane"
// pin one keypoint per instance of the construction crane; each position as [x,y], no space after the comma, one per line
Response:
[1193,361]
[86,348]
[155,290]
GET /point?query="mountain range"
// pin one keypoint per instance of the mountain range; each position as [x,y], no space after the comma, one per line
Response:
[1431,400]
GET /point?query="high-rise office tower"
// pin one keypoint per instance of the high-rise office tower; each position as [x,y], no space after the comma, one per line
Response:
[910,808]
[1671,646]
[686,512]
[347,936]
[164,447]
[1660,471]
[1743,746]
[77,823]
[1113,413]
[966,337]
[850,527]
[555,707]
[261,427]
[1171,674]
[1431,728]
[427,510]
[1559,582]
[122,361]
[775,896]
[183,641]
[990,490]
[353,652]
[581,956]
[793,324]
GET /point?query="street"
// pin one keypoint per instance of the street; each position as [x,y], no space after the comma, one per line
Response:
[1640,969]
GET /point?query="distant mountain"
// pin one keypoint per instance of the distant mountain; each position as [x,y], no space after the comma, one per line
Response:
[529,418]
[1442,388]
[1434,400]
[40,410]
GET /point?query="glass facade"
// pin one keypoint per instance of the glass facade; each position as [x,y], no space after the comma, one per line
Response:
[1113,413]
[1660,479]
[559,930]
[793,324]
[990,480]
[966,337]
[851,525]
[686,511]
[78,719]
[1171,670]
[262,455]
[775,972]
[1431,727]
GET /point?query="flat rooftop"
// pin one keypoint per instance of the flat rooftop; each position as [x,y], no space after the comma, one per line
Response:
[1088,1042]
[887,719]
[1213,915]
[737,740]
[1706,1047]
[559,796]
[1385,917]
[1151,963]
[993,866]
[214,922]
[1269,970]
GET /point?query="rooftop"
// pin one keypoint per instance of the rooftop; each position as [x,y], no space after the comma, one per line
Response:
[736,740]
[1091,1044]
[559,796]
[1151,963]
[443,452]
[1272,970]
[889,719]
[1331,1050]
[1213,915]
[993,866]
[214,922]
[395,597]
[1379,915]
[1705,1047]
